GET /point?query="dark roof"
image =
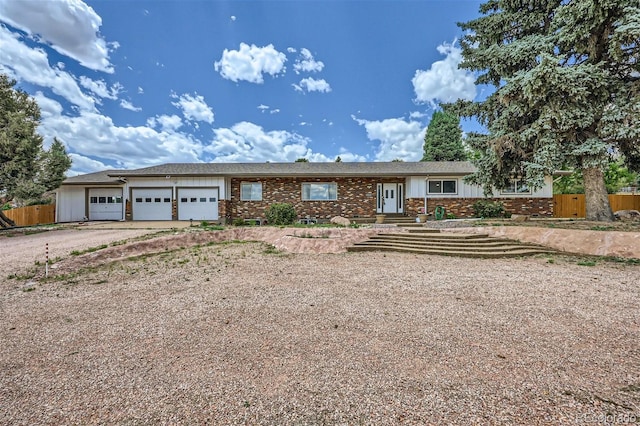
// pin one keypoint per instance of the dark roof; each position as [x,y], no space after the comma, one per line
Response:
[395,168]
[98,178]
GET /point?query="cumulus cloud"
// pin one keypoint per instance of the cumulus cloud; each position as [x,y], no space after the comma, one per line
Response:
[165,122]
[249,142]
[444,81]
[398,138]
[128,105]
[68,26]
[97,137]
[250,63]
[312,85]
[32,66]
[100,88]
[306,63]
[81,164]
[194,108]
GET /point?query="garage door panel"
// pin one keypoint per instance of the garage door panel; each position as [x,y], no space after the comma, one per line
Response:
[198,203]
[105,204]
[151,203]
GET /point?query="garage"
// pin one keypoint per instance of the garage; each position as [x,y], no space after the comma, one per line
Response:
[105,204]
[151,203]
[198,203]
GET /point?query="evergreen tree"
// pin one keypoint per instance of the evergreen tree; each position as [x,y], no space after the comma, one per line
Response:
[20,145]
[26,171]
[53,166]
[567,91]
[443,138]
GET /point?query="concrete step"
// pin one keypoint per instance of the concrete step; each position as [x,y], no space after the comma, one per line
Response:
[450,252]
[468,245]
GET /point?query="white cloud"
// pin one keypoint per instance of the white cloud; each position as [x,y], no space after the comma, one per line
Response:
[99,87]
[274,111]
[306,62]
[81,164]
[398,138]
[140,90]
[194,108]
[32,66]
[417,114]
[233,18]
[128,105]
[165,122]
[250,63]
[444,81]
[95,136]
[69,26]
[263,108]
[312,85]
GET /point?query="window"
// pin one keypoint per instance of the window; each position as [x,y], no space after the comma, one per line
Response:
[193,199]
[319,191]
[442,186]
[183,199]
[251,191]
[147,200]
[212,200]
[203,200]
[119,200]
[102,200]
[157,200]
[94,200]
[167,200]
[138,200]
[516,186]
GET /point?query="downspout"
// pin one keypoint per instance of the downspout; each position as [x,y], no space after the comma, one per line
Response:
[426,188]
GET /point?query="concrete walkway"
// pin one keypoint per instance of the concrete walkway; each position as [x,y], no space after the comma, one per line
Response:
[150,224]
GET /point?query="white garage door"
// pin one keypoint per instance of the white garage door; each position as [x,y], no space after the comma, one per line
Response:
[105,204]
[151,203]
[198,203]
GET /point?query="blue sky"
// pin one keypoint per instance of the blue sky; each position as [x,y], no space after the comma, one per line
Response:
[127,84]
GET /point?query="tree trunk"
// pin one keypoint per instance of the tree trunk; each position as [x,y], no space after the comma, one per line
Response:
[596,197]
[5,222]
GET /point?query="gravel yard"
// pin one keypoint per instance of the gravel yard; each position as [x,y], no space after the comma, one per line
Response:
[240,333]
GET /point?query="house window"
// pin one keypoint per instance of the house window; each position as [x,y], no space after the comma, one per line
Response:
[94,200]
[516,186]
[442,186]
[319,191]
[251,191]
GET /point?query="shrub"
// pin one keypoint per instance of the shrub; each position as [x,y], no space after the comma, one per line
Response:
[488,208]
[238,221]
[280,214]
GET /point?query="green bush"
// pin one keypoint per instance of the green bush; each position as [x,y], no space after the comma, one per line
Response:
[238,221]
[488,208]
[280,214]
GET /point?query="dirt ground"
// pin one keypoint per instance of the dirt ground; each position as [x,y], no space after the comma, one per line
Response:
[225,332]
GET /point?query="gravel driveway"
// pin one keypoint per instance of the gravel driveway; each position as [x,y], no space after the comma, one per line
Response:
[22,251]
[240,334]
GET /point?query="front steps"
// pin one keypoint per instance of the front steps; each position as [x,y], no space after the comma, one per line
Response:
[432,241]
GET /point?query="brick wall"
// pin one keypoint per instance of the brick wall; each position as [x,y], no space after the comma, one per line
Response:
[356,197]
[463,207]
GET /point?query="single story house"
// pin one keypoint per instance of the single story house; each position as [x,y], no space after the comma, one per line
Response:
[222,192]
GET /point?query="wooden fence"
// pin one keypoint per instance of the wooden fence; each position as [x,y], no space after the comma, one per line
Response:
[32,215]
[573,205]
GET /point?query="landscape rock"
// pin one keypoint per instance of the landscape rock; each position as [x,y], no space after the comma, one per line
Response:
[627,215]
[339,220]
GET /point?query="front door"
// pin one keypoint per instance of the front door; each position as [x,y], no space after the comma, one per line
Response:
[389,194]
[390,198]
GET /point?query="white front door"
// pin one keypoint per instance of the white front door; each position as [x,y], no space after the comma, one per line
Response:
[389,200]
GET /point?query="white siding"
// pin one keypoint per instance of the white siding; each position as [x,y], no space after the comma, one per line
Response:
[416,188]
[70,204]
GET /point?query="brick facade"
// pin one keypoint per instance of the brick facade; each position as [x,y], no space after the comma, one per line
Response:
[463,207]
[356,197]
